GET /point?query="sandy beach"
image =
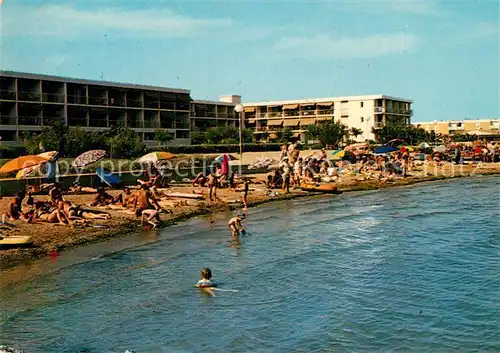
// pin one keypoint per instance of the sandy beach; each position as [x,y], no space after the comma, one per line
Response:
[49,238]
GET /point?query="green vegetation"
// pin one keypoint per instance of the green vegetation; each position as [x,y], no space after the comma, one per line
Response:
[410,134]
[221,135]
[329,133]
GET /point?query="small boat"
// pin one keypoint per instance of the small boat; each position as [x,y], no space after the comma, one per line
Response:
[15,241]
[327,188]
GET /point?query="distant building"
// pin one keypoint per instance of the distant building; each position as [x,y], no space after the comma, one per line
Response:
[361,112]
[487,128]
[206,114]
[29,101]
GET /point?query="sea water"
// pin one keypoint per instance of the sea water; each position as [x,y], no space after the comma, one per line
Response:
[408,269]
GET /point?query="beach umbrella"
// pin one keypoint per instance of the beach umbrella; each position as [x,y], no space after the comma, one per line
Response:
[395,142]
[339,154]
[354,146]
[26,172]
[385,149]
[408,148]
[88,158]
[230,157]
[21,163]
[154,157]
[424,145]
[440,149]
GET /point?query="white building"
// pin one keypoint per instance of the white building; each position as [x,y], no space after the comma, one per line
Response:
[361,112]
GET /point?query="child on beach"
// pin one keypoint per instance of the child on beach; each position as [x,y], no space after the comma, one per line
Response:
[206,279]
[235,225]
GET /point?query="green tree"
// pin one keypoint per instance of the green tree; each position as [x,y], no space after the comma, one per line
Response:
[285,135]
[312,132]
[213,135]
[163,137]
[354,131]
[331,133]
[124,142]
[247,135]
[409,133]
[197,138]
[51,138]
[464,137]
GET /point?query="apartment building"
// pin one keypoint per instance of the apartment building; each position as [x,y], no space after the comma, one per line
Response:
[206,114]
[361,112]
[487,128]
[30,101]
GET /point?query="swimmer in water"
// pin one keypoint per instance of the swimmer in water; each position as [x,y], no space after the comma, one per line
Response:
[206,279]
[235,225]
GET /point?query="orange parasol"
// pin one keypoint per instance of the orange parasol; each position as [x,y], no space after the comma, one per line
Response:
[21,163]
[24,173]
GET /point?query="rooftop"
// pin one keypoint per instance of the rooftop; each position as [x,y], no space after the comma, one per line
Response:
[32,76]
[323,100]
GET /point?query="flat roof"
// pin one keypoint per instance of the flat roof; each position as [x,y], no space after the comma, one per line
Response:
[202,101]
[456,121]
[32,76]
[323,100]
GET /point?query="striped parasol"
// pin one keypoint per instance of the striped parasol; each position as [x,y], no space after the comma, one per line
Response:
[154,157]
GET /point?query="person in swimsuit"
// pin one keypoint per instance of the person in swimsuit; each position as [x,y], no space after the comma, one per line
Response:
[235,225]
[212,187]
[126,198]
[206,279]
[102,198]
[244,194]
[148,215]
[55,194]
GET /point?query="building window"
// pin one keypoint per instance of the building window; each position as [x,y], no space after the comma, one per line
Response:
[345,116]
[362,119]
[361,105]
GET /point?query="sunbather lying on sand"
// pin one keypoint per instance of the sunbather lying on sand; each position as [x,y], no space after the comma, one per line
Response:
[102,198]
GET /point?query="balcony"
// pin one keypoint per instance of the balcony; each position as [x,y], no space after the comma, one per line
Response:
[274,114]
[8,95]
[29,120]
[326,112]
[379,110]
[8,120]
[291,113]
[29,96]
[151,124]
[52,98]
[378,125]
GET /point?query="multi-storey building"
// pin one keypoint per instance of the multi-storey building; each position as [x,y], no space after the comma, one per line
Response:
[206,114]
[361,112]
[28,102]
[487,128]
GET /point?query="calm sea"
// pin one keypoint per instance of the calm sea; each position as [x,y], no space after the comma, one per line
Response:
[409,269]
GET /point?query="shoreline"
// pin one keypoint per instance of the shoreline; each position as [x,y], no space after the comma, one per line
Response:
[122,226]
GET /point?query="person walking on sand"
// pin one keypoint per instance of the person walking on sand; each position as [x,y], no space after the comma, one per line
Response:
[235,225]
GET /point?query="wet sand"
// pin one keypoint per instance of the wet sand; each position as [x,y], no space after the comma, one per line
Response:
[49,237]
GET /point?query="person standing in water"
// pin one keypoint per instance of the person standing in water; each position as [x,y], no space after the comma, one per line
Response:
[206,279]
[235,225]
[244,194]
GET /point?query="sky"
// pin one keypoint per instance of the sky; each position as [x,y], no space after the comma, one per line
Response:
[444,55]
